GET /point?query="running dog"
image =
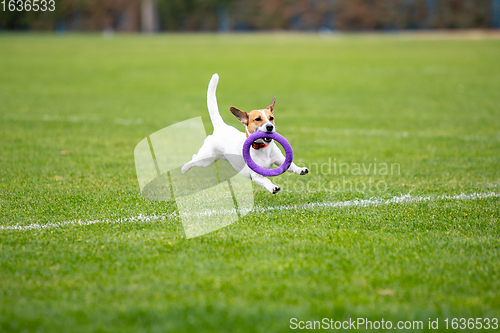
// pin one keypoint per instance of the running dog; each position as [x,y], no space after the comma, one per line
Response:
[226,142]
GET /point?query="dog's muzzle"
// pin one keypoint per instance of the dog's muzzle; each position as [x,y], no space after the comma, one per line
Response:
[269,130]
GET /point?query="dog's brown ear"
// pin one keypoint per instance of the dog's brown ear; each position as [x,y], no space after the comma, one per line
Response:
[271,106]
[241,115]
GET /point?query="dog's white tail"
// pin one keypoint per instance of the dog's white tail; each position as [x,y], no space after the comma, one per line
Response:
[213,109]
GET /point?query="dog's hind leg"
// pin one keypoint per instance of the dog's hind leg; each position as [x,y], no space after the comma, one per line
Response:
[205,157]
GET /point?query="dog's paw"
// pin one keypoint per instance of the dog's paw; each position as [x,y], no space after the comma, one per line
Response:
[304,171]
[185,168]
[276,189]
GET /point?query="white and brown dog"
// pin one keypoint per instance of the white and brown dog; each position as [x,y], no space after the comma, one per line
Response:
[227,142]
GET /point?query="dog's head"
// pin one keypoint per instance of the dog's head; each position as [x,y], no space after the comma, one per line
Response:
[257,120]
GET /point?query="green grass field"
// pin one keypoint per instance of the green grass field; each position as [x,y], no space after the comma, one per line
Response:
[430,105]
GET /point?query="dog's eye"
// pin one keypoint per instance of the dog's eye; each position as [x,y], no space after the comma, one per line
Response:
[258,119]
[271,119]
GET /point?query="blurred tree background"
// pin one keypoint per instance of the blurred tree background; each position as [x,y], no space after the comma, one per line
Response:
[244,15]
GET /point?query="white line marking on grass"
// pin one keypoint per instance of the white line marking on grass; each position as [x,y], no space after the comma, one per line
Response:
[309,206]
[379,201]
[140,218]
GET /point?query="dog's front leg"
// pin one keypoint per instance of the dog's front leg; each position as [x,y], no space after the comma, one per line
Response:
[264,182]
[297,170]
[279,159]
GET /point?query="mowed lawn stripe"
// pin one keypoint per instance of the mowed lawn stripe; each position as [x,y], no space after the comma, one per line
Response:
[405,199]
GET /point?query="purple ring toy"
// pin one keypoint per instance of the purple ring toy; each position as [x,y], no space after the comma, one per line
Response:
[263,171]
